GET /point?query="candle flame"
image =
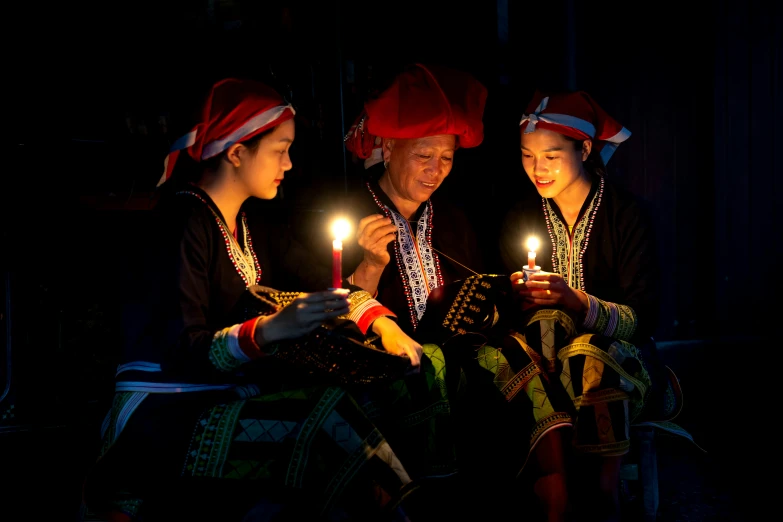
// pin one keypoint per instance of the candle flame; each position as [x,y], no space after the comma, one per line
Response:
[532,244]
[340,229]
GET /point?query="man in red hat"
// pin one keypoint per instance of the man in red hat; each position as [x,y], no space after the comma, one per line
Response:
[412,241]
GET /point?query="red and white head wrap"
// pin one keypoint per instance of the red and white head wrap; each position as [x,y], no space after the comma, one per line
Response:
[575,115]
[424,100]
[235,110]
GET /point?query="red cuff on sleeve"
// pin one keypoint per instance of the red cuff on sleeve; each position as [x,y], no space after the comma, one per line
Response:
[370,315]
[247,339]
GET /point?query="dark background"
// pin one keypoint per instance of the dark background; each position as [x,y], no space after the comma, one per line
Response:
[97,91]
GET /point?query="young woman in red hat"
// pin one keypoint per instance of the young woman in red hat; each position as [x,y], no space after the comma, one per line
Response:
[583,362]
[199,400]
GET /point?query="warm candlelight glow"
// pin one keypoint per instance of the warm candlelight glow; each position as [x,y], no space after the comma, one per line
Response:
[340,229]
[532,244]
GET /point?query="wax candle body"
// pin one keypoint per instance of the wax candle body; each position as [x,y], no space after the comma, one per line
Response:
[337,263]
[532,246]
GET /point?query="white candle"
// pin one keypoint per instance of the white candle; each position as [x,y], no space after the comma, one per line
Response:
[532,245]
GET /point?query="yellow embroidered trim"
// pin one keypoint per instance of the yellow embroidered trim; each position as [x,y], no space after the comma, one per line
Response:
[601,396]
[557,315]
[547,422]
[582,348]
[613,320]
[466,293]
[219,353]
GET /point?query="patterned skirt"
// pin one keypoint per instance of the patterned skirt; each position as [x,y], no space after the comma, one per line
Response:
[318,442]
[553,376]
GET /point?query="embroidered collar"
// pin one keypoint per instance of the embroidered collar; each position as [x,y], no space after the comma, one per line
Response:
[568,249]
[417,262]
[244,259]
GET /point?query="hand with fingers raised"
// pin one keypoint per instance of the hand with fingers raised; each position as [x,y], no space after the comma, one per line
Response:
[374,233]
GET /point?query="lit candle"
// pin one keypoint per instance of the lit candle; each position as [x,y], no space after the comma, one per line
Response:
[340,229]
[532,246]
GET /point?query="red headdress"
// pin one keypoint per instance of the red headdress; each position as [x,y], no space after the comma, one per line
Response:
[576,115]
[234,111]
[424,100]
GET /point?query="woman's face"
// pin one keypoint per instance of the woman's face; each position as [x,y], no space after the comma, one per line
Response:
[263,170]
[553,163]
[417,167]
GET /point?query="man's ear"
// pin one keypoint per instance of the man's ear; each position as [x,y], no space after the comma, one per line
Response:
[387,145]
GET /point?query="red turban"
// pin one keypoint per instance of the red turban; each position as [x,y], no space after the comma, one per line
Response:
[424,100]
[235,110]
[575,115]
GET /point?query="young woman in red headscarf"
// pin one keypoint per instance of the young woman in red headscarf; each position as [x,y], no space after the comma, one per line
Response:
[201,405]
[581,365]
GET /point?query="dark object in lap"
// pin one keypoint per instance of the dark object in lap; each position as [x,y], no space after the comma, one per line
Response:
[335,353]
[465,306]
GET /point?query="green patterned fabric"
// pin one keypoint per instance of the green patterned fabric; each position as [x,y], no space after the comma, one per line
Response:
[314,439]
[318,441]
[554,377]
[416,417]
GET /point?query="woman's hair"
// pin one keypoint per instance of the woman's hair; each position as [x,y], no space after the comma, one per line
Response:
[187,170]
[594,165]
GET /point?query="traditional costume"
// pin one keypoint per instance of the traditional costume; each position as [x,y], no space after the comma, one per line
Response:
[197,399]
[437,244]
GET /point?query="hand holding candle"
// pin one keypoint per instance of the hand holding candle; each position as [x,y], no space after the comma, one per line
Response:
[340,230]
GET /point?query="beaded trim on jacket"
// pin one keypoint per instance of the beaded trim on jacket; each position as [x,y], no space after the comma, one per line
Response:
[564,244]
[417,261]
[244,260]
